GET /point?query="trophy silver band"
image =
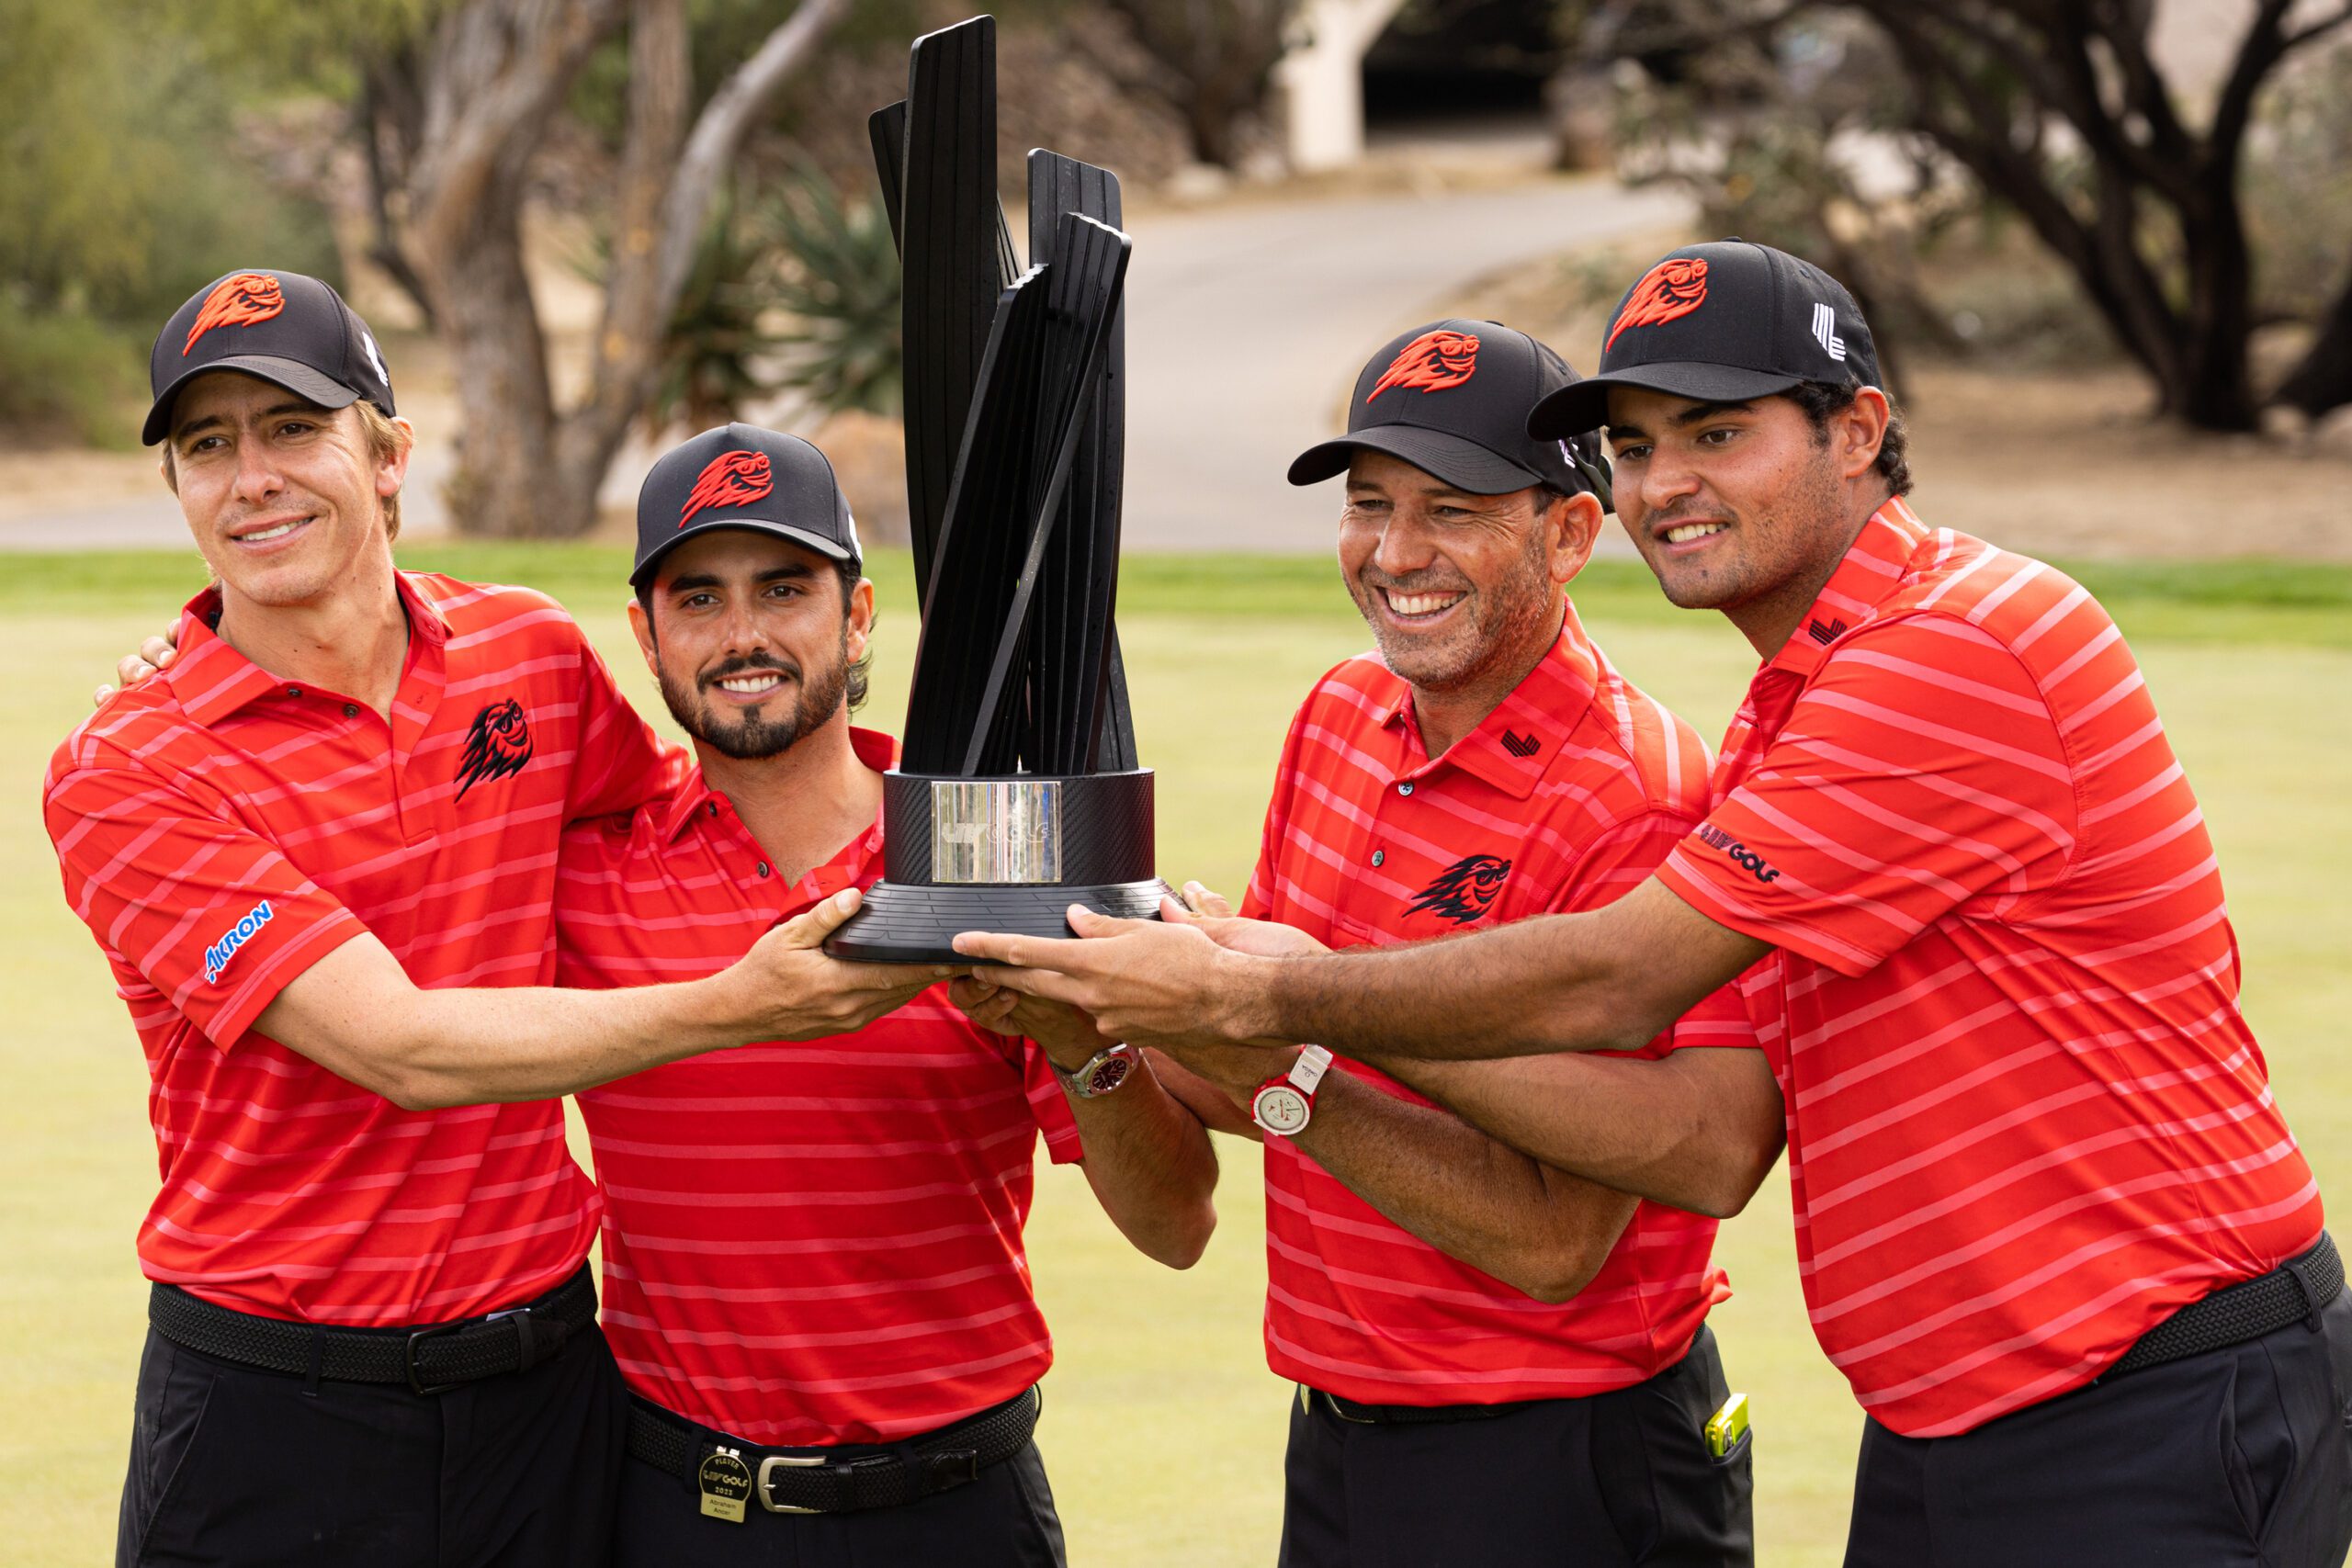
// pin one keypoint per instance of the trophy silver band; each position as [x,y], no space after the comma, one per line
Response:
[1017,792]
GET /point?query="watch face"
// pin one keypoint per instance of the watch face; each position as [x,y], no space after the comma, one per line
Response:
[1279,1109]
[1110,1075]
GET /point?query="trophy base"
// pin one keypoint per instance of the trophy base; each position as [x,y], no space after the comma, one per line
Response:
[902,923]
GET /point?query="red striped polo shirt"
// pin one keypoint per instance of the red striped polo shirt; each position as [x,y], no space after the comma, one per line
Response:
[2026,1120]
[811,1242]
[221,830]
[1566,796]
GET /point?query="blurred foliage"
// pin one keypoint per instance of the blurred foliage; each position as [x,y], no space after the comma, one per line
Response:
[65,374]
[1793,125]
[1790,132]
[724,32]
[710,366]
[1211,62]
[2297,193]
[841,287]
[122,190]
[792,290]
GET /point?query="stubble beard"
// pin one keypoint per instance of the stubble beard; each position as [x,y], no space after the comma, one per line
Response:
[1503,616]
[1775,545]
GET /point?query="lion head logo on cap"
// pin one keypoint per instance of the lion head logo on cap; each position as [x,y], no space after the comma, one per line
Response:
[1430,363]
[238,301]
[1668,291]
[730,478]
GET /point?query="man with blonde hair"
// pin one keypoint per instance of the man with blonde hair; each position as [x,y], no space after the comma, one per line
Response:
[318,852]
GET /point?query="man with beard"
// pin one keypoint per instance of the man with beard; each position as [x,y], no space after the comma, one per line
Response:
[318,853]
[814,1276]
[2053,1225]
[1499,1360]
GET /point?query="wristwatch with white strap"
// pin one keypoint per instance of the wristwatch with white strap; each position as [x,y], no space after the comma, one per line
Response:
[1283,1106]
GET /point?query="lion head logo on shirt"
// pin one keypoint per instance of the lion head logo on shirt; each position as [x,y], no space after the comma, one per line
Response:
[1462,891]
[498,745]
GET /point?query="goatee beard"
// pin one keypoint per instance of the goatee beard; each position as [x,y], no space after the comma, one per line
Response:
[754,737]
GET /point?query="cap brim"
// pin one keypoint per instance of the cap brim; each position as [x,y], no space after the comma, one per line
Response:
[1458,460]
[292,375]
[1573,409]
[827,548]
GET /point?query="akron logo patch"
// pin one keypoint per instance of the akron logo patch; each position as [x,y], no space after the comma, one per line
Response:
[217,956]
[1462,891]
[497,746]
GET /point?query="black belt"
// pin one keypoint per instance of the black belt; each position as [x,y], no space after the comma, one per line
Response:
[1414,1414]
[429,1360]
[2247,1309]
[819,1480]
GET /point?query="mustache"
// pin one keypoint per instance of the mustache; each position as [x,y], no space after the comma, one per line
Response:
[1429,581]
[1683,512]
[748,663]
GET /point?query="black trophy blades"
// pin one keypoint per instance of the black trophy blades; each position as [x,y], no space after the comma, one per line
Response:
[950,230]
[1085,281]
[1081,716]
[887,129]
[982,557]
[968,705]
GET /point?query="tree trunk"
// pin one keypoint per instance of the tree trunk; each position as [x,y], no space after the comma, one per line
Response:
[508,483]
[2212,386]
[2322,381]
[496,74]
[1210,130]
[2141,161]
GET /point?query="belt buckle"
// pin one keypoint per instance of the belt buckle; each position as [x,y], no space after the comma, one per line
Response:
[767,1469]
[945,1469]
[408,1360]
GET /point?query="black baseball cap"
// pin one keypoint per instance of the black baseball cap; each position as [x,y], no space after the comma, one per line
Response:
[283,327]
[1451,399]
[1721,322]
[739,476]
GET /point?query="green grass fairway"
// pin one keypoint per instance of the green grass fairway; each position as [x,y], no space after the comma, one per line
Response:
[1163,1429]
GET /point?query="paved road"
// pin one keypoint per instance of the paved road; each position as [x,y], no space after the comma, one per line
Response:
[1246,325]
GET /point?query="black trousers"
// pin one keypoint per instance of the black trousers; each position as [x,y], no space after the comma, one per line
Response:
[1003,1520]
[1614,1479]
[241,1468]
[2234,1457]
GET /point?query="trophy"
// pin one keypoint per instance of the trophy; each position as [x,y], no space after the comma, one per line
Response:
[1017,792]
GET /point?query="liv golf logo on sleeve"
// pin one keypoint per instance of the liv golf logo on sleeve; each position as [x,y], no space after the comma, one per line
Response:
[217,956]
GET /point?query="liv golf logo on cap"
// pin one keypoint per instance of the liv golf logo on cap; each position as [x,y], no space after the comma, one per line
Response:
[217,956]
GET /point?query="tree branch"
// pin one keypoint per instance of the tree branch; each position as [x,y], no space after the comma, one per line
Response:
[719,133]
[2319,29]
[496,74]
[2261,50]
